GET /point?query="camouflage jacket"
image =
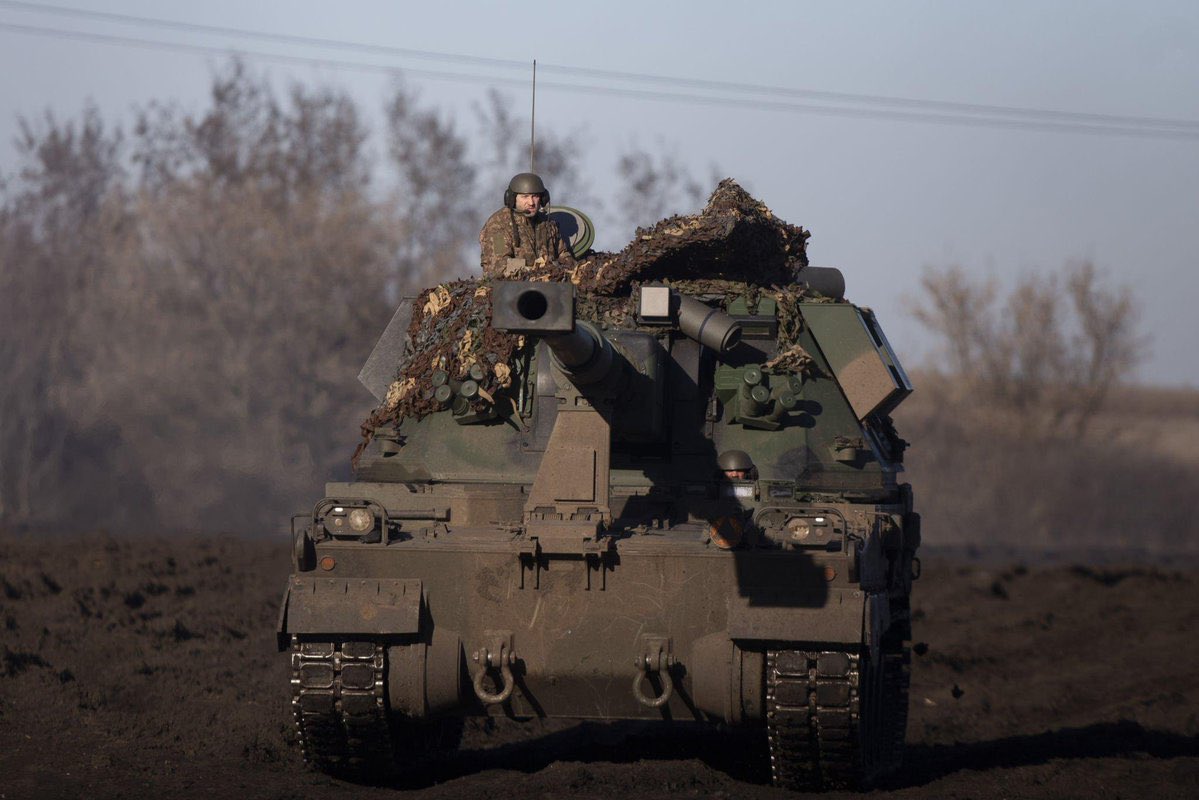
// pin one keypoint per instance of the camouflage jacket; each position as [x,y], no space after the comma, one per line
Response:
[507,234]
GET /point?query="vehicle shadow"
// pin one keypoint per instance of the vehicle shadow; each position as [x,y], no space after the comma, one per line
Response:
[925,763]
[740,753]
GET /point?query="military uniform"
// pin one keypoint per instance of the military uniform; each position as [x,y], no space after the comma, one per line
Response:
[509,234]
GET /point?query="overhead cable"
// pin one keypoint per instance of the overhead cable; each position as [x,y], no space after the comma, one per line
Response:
[521,66]
[1106,129]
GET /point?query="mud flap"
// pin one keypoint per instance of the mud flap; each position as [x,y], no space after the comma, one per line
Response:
[837,618]
[340,607]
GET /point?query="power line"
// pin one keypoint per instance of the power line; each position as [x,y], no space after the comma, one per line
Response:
[158,44]
[937,106]
[642,94]
[196,27]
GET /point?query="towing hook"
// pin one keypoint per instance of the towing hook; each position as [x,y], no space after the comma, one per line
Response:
[487,661]
[662,667]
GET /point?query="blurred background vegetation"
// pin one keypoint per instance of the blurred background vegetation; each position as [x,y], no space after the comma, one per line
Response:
[186,306]
[1028,432]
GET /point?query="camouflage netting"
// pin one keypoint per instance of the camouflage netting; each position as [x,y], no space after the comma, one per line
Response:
[735,238]
[734,241]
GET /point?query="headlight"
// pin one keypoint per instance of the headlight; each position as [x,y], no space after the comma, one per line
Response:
[361,520]
[357,518]
[809,531]
[799,529]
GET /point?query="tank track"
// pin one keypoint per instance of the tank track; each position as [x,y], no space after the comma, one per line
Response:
[897,680]
[337,697]
[813,703]
[834,720]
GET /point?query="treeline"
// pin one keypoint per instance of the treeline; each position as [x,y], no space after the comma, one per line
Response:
[1026,433]
[186,305]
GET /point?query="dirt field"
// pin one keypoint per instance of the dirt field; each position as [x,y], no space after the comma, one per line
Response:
[134,667]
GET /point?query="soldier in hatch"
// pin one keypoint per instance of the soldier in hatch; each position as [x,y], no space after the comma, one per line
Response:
[736,465]
[520,233]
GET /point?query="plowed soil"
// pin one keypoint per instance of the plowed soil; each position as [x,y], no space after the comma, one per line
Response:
[147,667]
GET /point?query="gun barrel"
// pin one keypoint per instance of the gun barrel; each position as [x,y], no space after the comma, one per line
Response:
[708,326]
[546,310]
[711,327]
[573,349]
[585,355]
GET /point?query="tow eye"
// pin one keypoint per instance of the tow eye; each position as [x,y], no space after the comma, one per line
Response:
[655,657]
[500,657]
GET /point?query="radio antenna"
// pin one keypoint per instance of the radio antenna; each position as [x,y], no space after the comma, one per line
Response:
[533,120]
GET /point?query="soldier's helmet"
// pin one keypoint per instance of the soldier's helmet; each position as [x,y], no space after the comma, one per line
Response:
[735,460]
[526,183]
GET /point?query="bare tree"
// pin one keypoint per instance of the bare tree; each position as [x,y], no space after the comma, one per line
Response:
[261,261]
[54,226]
[1050,353]
[181,345]
[436,193]
[958,310]
[654,184]
[505,151]
[1107,337]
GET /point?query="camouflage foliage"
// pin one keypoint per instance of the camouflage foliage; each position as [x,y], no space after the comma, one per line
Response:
[735,237]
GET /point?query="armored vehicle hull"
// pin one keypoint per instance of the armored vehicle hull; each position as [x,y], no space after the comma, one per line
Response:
[559,530]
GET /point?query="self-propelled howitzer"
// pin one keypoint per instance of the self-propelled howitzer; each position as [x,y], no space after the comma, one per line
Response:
[573,544]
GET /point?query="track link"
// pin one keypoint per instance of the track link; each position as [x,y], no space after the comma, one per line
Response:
[812,718]
[897,678]
[835,719]
[340,709]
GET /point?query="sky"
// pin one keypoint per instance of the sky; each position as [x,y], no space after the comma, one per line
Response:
[884,197]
